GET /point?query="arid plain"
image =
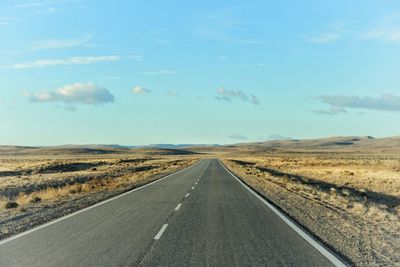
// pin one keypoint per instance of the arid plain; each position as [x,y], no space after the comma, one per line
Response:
[344,190]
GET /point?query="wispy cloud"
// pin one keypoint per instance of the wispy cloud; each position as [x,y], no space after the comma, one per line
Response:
[44,7]
[6,20]
[333,110]
[28,5]
[139,90]
[386,29]
[78,93]
[45,3]
[274,137]
[386,102]
[278,137]
[159,72]
[220,26]
[228,95]
[332,34]
[238,137]
[40,63]
[64,1]
[172,93]
[61,43]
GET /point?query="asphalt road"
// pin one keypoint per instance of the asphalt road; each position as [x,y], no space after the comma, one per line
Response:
[201,216]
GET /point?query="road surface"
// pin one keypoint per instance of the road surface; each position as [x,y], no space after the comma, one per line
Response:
[201,216]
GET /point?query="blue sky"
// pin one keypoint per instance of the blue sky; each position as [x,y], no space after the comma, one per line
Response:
[145,72]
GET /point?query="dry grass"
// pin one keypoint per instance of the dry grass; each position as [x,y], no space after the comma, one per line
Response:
[351,202]
[40,180]
[378,175]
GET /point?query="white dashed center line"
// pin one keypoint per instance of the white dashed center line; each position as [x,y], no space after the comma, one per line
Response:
[192,187]
[159,234]
[178,207]
[187,194]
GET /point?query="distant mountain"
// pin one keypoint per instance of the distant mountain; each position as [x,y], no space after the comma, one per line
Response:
[162,149]
[174,146]
[336,143]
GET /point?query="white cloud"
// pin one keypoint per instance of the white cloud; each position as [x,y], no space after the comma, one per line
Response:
[159,72]
[274,137]
[28,5]
[45,3]
[60,43]
[332,34]
[40,63]
[138,90]
[227,95]
[6,20]
[333,110]
[392,35]
[387,29]
[386,102]
[278,137]
[78,93]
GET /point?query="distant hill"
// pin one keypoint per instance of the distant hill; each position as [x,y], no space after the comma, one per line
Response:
[164,149]
[335,144]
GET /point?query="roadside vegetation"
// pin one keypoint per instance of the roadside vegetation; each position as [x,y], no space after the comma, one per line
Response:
[36,189]
[351,202]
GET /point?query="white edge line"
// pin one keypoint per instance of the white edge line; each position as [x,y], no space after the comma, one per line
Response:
[159,234]
[178,207]
[90,207]
[318,246]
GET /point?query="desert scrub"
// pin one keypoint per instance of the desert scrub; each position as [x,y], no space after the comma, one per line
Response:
[35,199]
[356,200]
[11,205]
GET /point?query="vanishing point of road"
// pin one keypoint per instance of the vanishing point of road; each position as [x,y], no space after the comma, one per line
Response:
[200,216]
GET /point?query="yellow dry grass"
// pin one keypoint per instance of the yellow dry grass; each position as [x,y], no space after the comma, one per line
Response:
[60,183]
[351,203]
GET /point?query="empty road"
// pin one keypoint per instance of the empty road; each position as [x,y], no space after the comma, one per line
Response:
[201,216]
